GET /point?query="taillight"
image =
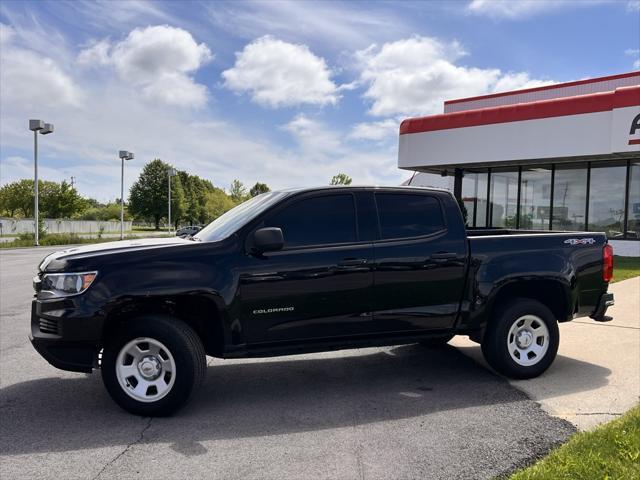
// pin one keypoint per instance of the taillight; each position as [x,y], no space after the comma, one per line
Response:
[607,263]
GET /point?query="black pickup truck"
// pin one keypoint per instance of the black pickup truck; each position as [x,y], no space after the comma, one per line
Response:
[312,270]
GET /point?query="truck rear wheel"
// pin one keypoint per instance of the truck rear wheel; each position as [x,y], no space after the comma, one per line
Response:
[153,365]
[522,340]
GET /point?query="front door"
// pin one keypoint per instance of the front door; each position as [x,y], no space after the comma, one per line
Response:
[319,285]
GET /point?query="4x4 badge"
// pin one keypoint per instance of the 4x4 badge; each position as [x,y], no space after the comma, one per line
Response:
[580,241]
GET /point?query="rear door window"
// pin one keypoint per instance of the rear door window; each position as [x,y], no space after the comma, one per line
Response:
[405,215]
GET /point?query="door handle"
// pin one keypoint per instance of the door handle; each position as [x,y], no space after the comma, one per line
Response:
[352,262]
[443,256]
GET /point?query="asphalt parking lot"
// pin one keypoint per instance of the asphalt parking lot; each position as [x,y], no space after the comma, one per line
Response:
[397,412]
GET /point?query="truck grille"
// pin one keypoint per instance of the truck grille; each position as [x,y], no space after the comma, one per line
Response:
[48,326]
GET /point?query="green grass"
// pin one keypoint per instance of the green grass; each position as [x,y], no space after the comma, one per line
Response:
[625,267]
[611,451]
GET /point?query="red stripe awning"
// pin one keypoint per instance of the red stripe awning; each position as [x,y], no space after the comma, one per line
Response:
[596,102]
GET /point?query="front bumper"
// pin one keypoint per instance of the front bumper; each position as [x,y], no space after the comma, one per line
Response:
[599,315]
[64,338]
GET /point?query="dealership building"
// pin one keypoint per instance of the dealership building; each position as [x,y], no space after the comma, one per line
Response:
[559,157]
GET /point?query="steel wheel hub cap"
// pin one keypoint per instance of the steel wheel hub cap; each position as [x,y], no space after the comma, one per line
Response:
[524,338]
[150,367]
[528,340]
[146,369]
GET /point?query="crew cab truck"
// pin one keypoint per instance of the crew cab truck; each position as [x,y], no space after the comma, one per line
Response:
[312,270]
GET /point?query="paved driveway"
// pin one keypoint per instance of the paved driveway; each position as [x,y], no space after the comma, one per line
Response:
[398,412]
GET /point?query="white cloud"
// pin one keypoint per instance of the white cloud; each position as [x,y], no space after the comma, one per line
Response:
[312,136]
[375,131]
[327,151]
[31,79]
[635,53]
[334,25]
[157,59]
[516,9]
[517,81]
[6,33]
[176,89]
[416,75]
[95,55]
[511,8]
[633,5]
[278,73]
[154,51]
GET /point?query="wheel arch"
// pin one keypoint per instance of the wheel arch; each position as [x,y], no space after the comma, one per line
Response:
[554,294]
[201,311]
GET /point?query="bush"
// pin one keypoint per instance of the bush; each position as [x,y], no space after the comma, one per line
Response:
[59,239]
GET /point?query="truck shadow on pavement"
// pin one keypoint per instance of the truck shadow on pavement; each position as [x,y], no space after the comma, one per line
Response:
[258,398]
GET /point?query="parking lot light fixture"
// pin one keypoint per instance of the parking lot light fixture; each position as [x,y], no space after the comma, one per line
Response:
[124,155]
[44,128]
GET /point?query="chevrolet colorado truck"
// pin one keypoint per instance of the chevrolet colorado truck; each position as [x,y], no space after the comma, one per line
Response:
[312,270]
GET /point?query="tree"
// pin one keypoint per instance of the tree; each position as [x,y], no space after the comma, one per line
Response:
[218,202]
[341,179]
[60,200]
[237,192]
[148,197]
[259,188]
[17,198]
[110,211]
[55,200]
[195,192]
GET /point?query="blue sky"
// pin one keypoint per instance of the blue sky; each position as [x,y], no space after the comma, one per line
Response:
[287,93]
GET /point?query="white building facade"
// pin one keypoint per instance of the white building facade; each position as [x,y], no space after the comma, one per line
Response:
[559,157]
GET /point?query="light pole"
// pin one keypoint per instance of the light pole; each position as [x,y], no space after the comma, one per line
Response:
[172,173]
[44,128]
[124,155]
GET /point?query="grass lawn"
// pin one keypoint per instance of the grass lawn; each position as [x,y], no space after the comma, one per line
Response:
[612,451]
[625,267]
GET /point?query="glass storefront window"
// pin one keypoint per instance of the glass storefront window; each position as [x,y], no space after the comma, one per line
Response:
[606,198]
[504,197]
[474,196]
[535,198]
[569,197]
[633,212]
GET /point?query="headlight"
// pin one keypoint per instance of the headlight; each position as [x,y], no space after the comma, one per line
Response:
[66,284]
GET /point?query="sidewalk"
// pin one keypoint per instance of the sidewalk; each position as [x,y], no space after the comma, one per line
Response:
[596,376]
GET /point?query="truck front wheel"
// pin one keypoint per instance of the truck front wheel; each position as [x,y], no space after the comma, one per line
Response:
[153,365]
[522,340]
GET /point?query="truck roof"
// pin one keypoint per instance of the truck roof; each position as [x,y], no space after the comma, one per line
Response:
[361,187]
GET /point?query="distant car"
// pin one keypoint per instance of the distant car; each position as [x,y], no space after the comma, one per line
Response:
[186,231]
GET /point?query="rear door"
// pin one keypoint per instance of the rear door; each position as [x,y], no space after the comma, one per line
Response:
[420,262]
[319,285]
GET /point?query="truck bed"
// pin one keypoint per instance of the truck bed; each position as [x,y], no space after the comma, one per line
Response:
[483,232]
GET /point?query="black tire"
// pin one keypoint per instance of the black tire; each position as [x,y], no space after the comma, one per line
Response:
[495,344]
[184,346]
[436,342]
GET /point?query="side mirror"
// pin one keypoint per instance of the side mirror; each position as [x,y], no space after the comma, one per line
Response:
[268,240]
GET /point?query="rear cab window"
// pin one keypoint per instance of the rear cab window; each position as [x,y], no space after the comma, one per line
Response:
[408,215]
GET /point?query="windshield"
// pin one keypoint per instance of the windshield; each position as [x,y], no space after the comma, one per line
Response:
[230,222]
